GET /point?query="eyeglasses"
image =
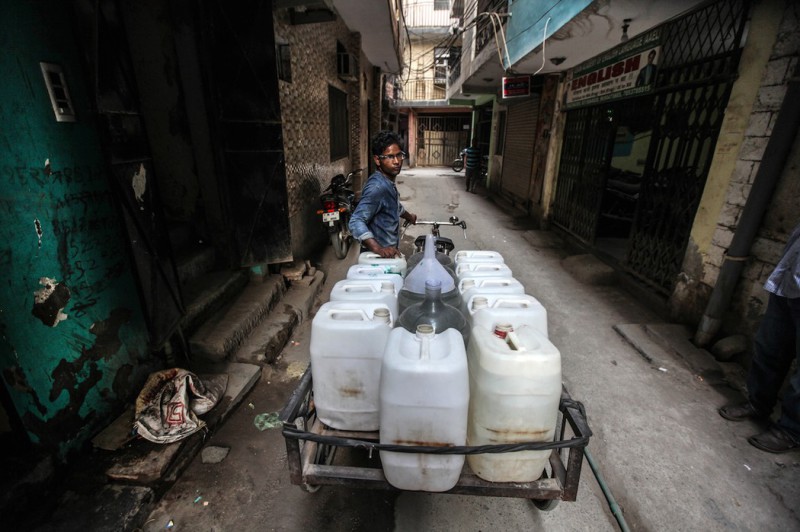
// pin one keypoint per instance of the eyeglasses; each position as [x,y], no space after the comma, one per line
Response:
[395,157]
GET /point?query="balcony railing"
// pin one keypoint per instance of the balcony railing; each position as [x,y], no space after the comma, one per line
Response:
[425,89]
[484,31]
[428,14]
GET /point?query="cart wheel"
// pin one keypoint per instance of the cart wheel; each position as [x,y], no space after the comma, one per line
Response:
[545,505]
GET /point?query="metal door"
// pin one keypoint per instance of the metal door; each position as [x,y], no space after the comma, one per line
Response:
[440,139]
[699,66]
[133,179]
[239,44]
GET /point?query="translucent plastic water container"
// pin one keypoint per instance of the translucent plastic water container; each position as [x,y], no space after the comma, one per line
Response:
[394,265]
[347,345]
[487,310]
[424,401]
[471,270]
[478,255]
[406,299]
[486,286]
[367,291]
[444,260]
[515,388]
[428,269]
[360,271]
[435,312]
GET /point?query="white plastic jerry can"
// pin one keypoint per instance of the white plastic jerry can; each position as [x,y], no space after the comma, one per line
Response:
[374,273]
[471,270]
[368,291]
[347,345]
[478,255]
[515,388]
[394,265]
[487,310]
[487,285]
[424,401]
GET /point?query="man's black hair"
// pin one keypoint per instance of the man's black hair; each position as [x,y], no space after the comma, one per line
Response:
[384,139]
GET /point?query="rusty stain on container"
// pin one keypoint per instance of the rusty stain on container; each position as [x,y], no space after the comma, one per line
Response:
[351,392]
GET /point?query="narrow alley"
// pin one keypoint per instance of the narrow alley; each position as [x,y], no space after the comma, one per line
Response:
[670,460]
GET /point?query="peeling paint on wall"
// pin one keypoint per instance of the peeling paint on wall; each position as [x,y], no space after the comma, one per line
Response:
[139,184]
[38,226]
[49,302]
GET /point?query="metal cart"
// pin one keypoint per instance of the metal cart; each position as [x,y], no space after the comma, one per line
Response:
[311,448]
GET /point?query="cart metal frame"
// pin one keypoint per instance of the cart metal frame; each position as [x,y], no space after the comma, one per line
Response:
[310,462]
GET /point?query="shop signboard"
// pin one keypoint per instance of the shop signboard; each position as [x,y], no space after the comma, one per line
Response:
[627,70]
[516,86]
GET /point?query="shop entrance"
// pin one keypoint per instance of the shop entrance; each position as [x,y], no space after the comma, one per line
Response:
[630,133]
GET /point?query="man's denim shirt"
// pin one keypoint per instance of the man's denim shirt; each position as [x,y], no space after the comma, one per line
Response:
[378,212]
[785,278]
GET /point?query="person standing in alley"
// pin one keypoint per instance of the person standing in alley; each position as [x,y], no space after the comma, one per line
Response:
[472,163]
[777,344]
[376,220]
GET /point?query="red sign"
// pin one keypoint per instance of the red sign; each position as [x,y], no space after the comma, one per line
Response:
[516,86]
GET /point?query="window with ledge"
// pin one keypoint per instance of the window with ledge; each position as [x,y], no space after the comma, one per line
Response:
[338,123]
[284,62]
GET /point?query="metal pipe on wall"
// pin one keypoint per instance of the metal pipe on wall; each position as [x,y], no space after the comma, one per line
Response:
[769,172]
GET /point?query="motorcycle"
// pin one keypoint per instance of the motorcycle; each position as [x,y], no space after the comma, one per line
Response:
[458,163]
[338,202]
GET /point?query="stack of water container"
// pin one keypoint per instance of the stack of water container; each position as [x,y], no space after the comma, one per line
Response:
[442,355]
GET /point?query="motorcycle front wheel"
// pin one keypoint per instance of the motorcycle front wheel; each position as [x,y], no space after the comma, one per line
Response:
[458,165]
[341,243]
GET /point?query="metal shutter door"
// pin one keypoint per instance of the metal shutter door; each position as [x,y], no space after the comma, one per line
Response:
[518,153]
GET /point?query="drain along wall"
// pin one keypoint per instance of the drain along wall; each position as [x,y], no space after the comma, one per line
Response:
[72,339]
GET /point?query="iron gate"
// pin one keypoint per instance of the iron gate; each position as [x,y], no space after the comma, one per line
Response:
[581,177]
[440,139]
[699,60]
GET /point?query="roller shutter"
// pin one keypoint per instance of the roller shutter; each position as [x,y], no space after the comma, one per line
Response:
[518,153]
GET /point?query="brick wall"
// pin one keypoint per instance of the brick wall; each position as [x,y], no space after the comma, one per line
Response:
[304,110]
[782,215]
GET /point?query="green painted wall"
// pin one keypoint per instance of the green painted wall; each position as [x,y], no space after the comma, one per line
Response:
[67,369]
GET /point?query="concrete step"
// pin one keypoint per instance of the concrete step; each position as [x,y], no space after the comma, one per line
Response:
[139,469]
[208,293]
[668,347]
[267,340]
[223,333]
[195,263]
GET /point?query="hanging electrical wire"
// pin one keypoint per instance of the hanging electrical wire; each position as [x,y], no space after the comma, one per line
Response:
[544,40]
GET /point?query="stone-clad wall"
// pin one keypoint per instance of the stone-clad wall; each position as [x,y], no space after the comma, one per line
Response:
[783,214]
[304,111]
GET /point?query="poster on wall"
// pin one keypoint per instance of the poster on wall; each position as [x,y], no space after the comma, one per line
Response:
[628,70]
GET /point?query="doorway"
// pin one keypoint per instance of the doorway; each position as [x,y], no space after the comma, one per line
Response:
[631,132]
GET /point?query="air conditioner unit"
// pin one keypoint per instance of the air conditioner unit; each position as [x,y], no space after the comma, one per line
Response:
[346,67]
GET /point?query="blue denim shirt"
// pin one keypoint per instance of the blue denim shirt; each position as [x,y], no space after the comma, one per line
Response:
[377,214]
[785,278]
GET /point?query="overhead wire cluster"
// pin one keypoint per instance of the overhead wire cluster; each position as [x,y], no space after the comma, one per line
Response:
[451,38]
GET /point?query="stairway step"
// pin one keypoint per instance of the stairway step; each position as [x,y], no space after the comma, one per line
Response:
[225,331]
[210,292]
[265,342]
[195,263]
